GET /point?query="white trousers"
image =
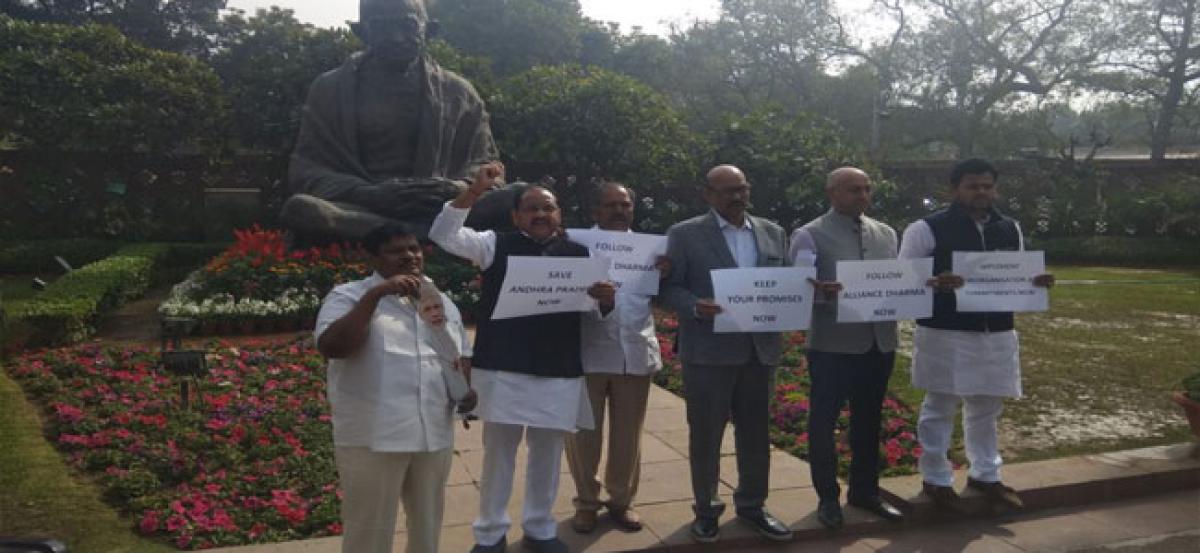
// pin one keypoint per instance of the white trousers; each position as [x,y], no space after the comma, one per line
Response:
[936,425]
[374,483]
[500,442]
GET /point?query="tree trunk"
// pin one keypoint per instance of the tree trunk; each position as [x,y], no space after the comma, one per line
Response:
[1161,137]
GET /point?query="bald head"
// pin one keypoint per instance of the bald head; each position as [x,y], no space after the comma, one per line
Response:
[727,192]
[849,191]
[845,175]
[725,174]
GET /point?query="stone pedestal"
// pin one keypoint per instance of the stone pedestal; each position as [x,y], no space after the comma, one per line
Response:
[226,209]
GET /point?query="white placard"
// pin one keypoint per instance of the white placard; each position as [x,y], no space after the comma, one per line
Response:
[1000,281]
[884,290]
[535,285]
[763,299]
[633,255]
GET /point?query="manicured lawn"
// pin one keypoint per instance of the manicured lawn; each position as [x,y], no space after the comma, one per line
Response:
[41,496]
[1098,366]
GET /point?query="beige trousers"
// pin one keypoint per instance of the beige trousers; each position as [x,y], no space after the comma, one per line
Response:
[626,398]
[374,483]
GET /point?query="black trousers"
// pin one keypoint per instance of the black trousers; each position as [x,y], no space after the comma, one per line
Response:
[715,396]
[862,380]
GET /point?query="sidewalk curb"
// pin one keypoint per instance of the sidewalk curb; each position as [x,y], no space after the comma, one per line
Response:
[1042,485]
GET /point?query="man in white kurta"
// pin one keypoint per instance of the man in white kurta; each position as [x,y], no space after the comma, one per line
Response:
[967,358]
[620,354]
[513,404]
[392,417]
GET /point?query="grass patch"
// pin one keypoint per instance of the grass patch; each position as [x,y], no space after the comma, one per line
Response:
[42,498]
[1098,366]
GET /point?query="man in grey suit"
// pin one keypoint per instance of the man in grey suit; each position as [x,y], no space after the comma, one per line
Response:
[728,375]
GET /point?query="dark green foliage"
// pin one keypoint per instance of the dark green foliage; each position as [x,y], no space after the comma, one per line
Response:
[69,308]
[786,158]
[182,26]
[90,88]
[589,123]
[1118,251]
[1191,387]
[266,65]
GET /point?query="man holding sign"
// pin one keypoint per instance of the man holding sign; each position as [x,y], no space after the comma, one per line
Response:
[620,353]
[964,357]
[847,361]
[527,370]
[725,375]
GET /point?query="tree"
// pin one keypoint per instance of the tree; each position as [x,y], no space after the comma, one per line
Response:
[1158,64]
[579,124]
[787,158]
[518,34]
[781,46]
[182,26]
[90,88]
[978,55]
[880,57]
[267,63]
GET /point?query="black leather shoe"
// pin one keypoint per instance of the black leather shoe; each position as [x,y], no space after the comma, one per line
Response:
[552,545]
[768,526]
[878,507]
[705,530]
[497,547]
[829,513]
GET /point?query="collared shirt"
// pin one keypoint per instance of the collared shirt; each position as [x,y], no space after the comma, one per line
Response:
[390,396]
[623,341]
[957,361]
[740,241]
[504,396]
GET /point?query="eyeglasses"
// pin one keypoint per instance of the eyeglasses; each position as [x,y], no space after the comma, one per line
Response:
[730,191]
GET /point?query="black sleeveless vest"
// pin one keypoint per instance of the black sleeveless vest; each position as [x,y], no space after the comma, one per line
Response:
[955,230]
[539,345]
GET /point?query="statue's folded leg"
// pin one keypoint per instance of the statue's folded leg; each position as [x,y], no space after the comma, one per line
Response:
[312,218]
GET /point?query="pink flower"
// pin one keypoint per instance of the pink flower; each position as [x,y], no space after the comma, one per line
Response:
[149,522]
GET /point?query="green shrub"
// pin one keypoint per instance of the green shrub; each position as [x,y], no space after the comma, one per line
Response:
[88,87]
[1118,250]
[68,309]
[1191,387]
[36,256]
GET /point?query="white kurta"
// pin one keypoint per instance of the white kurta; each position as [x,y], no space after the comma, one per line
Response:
[390,396]
[960,362]
[623,341]
[509,397]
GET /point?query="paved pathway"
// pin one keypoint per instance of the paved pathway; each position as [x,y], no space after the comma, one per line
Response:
[664,497]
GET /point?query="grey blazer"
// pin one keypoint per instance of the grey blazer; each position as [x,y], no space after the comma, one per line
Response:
[695,247]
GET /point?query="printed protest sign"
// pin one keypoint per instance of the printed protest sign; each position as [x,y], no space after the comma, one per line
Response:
[763,299]
[887,290]
[633,256]
[1000,281]
[540,285]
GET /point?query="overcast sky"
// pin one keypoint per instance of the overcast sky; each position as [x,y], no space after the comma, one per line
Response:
[653,16]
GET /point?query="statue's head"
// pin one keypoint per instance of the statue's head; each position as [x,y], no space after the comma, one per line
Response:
[394,30]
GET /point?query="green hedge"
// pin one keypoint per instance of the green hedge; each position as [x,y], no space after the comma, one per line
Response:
[37,256]
[1119,250]
[69,308]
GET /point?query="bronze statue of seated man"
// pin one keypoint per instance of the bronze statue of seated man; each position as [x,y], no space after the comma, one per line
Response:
[387,137]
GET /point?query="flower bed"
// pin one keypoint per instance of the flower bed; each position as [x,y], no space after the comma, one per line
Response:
[789,407]
[253,462]
[258,285]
